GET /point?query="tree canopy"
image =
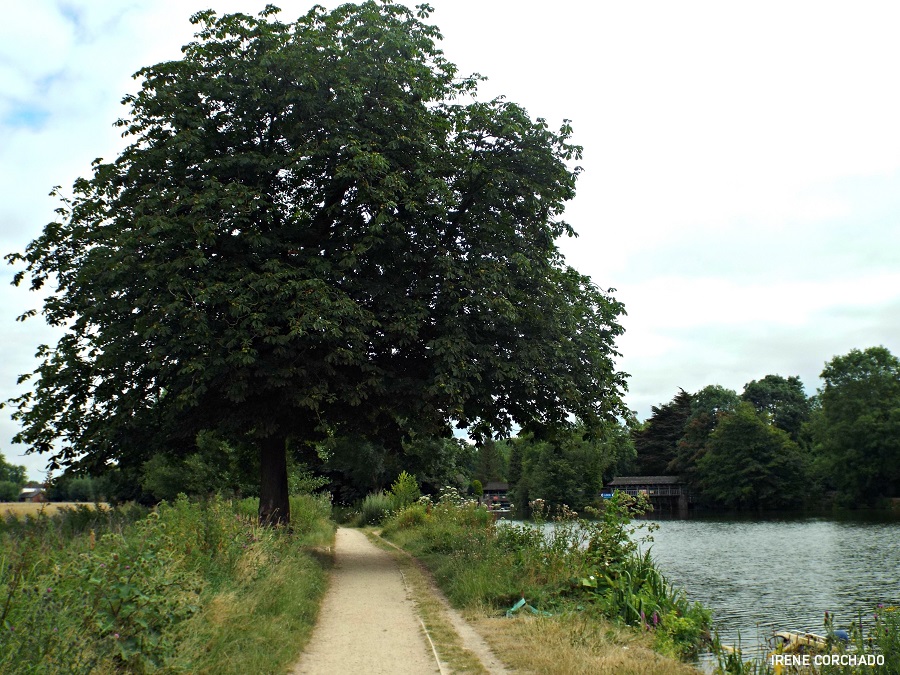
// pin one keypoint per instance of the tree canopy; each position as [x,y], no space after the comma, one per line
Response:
[783,399]
[317,229]
[12,473]
[567,470]
[12,478]
[656,444]
[859,429]
[750,463]
[707,407]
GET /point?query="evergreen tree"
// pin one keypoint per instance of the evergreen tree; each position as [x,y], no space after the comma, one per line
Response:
[707,406]
[750,464]
[656,444]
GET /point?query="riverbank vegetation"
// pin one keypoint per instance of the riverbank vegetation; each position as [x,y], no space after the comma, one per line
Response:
[579,568]
[188,587]
[868,647]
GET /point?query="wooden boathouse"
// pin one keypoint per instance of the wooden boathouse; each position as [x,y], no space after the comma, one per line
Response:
[666,493]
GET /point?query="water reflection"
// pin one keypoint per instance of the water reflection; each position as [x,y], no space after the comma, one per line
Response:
[785,573]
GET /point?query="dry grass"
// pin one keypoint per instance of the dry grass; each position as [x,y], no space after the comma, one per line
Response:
[574,644]
[222,608]
[19,509]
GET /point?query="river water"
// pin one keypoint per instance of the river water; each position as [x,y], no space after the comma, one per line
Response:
[782,573]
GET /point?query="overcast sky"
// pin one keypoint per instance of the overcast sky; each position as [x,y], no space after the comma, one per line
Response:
[741,185]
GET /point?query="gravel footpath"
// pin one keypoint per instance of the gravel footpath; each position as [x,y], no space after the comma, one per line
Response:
[367,623]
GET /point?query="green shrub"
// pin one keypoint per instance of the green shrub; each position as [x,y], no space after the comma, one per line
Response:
[345,515]
[82,490]
[302,481]
[374,508]
[411,516]
[477,489]
[9,491]
[404,491]
[87,601]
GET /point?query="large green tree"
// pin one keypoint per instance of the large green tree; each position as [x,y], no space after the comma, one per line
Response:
[316,230]
[750,464]
[12,473]
[858,429]
[491,462]
[569,468]
[12,478]
[783,399]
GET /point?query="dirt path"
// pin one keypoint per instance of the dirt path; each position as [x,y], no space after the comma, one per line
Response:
[368,622]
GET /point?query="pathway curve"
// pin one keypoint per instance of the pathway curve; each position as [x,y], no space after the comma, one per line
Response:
[368,622]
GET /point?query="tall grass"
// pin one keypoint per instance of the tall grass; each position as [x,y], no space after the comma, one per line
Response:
[593,565]
[374,508]
[188,587]
[380,505]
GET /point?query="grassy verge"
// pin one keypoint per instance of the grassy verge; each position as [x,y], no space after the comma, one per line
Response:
[572,643]
[564,644]
[610,610]
[188,587]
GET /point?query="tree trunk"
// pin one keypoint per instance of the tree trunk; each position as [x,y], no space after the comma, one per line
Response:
[274,505]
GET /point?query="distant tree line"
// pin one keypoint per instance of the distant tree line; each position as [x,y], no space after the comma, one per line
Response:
[774,447]
[12,479]
[769,447]
[563,468]
[567,467]
[63,488]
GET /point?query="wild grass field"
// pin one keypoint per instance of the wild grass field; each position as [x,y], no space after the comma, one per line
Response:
[33,509]
[188,587]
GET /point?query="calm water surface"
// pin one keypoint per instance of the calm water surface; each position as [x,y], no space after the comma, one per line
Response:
[763,575]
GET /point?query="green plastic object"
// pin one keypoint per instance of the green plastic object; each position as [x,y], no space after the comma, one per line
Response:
[523,603]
